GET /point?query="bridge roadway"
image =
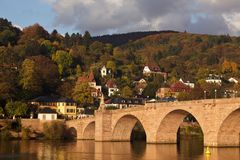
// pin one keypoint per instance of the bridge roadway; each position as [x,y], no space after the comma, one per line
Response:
[219,120]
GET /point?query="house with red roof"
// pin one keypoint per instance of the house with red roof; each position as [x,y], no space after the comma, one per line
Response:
[153,69]
[95,89]
[178,87]
[112,87]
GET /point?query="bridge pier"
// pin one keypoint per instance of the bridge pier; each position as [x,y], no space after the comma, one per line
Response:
[103,123]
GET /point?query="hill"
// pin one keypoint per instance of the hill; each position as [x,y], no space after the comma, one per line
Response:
[120,39]
[34,62]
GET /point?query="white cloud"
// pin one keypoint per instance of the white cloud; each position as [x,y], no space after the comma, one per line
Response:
[109,16]
[49,1]
[233,21]
[18,26]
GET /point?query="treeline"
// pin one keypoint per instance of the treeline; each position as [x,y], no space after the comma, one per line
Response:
[120,39]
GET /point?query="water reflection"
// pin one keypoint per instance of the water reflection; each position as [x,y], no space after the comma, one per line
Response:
[190,146]
[51,150]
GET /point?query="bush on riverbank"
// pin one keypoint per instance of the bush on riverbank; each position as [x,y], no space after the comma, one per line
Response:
[191,131]
[54,130]
[5,135]
[26,133]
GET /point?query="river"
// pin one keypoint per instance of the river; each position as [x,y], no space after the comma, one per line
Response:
[188,149]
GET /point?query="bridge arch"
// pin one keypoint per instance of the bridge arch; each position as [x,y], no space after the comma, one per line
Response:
[169,125]
[124,126]
[89,131]
[229,131]
[72,133]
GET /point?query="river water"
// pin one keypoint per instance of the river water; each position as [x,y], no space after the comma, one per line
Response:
[188,149]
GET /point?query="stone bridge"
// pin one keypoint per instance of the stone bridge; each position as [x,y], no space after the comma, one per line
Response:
[219,120]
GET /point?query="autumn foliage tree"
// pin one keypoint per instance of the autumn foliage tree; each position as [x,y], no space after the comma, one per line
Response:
[64,61]
[229,67]
[82,94]
[16,108]
[39,75]
[34,32]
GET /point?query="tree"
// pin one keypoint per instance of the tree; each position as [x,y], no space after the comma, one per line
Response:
[64,61]
[150,91]
[108,49]
[34,32]
[65,89]
[112,66]
[6,37]
[16,108]
[96,48]
[78,53]
[8,83]
[30,79]
[183,96]
[87,38]
[229,67]
[82,94]
[48,45]
[32,48]
[48,72]
[78,70]
[117,53]
[126,92]
[1,111]
[202,73]
[8,33]
[39,74]
[55,36]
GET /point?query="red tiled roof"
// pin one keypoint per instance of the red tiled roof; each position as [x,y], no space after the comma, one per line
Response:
[179,87]
[86,78]
[111,84]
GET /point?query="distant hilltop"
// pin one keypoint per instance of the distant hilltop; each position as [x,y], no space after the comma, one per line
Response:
[123,38]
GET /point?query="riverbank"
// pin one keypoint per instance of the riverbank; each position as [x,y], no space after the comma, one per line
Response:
[190,129]
[15,130]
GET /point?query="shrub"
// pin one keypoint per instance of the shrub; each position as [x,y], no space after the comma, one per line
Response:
[5,135]
[26,133]
[16,125]
[54,130]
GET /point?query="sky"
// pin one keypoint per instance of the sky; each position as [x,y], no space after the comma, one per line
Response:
[101,17]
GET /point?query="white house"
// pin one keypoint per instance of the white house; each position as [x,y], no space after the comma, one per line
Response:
[191,85]
[154,69]
[233,80]
[214,79]
[146,70]
[105,71]
[47,114]
[140,85]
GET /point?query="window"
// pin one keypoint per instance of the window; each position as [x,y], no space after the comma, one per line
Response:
[53,116]
[70,110]
[44,117]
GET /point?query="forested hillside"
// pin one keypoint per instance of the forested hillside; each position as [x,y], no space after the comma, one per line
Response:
[34,62]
